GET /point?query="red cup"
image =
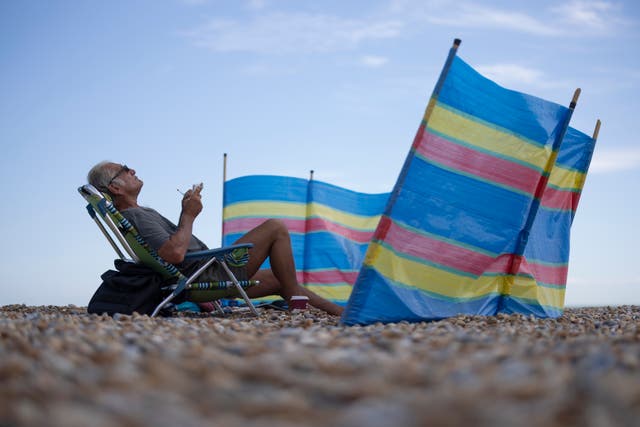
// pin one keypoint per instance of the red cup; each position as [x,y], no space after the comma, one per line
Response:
[298,302]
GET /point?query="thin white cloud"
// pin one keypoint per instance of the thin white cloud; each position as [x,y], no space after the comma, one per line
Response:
[588,15]
[615,160]
[373,61]
[523,78]
[470,15]
[281,33]
[575,18]
[465,14]
[510,74]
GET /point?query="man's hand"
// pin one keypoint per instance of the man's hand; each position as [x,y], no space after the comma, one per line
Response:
[192,201]
[174,249]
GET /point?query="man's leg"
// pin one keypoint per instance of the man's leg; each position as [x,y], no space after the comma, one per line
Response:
[271,239]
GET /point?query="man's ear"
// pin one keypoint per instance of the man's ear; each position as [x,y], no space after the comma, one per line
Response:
[115,189]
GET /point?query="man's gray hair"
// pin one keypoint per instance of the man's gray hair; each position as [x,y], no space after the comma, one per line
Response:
[99,176]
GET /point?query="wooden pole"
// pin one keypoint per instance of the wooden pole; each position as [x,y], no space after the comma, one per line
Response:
[311,175]
[224,181]
[443,75]
[574,101]
[224,168]
[596,131]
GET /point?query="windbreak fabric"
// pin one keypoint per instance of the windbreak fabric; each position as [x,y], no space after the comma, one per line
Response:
[330,226]
[542,275]
[455,232]
[251,200]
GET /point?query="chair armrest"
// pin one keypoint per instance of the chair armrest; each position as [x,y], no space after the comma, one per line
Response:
[216,252]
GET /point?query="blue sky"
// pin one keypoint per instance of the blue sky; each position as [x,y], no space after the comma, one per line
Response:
[340,87]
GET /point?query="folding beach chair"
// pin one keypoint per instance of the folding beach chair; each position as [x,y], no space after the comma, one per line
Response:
[131,247]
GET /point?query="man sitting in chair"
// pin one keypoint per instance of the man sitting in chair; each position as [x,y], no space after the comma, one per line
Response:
[270,239]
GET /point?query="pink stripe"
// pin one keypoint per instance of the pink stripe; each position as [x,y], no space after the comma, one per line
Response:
[483,165]
[330,276]
[320,224]
[501,264]
[553,275]
[417,140]
[437,251]
[242,225]
[560,199]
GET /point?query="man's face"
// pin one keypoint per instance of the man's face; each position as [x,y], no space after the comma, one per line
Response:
[125,178]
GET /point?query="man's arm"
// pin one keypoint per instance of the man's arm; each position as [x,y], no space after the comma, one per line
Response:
[174,249]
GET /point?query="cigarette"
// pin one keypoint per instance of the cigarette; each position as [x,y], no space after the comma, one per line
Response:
[178,190]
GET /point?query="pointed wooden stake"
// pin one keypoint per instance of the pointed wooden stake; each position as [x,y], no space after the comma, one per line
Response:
[596,131]
[574,101]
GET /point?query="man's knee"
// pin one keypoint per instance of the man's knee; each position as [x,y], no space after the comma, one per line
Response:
[276,226]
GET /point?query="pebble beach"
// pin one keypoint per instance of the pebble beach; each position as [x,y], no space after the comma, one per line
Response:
[60,366]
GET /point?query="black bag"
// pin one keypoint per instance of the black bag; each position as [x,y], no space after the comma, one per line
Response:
[134,287]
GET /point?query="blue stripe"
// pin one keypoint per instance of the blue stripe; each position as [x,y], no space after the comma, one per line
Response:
[329,250]
[512,305]
[288,189]
[265,188]
[346,200]
[576,150]
[549,237]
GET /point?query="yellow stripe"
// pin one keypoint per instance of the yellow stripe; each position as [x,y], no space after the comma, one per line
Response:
[340,292]
[432,279]
[372,254]
[265,209]
[298,210]
[527,288]
[567,179]
[488,138]
[358,222]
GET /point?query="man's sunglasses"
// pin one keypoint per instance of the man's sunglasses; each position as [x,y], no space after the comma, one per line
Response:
[123,169]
